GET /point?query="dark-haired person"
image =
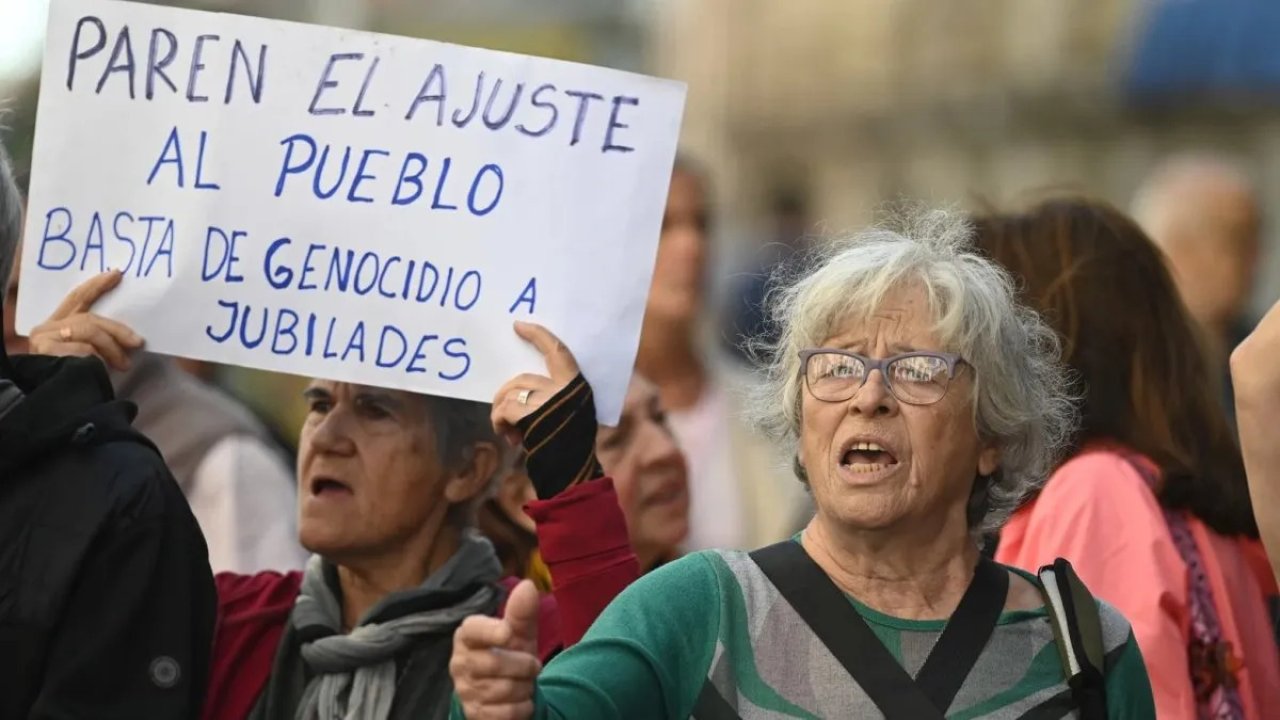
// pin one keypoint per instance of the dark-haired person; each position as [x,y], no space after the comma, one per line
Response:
[1150,505]
[107,602]
[1255,370]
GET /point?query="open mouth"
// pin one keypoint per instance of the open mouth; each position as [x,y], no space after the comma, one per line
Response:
[328,486]
[665,496]
[865,457]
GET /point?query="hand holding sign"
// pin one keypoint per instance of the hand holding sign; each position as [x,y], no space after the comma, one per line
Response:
[73,330]
[527,393]
[553,417]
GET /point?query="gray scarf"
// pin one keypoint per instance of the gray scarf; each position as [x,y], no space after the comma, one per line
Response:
[355,674]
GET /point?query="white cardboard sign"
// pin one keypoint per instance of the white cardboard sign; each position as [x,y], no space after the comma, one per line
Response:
[342,204]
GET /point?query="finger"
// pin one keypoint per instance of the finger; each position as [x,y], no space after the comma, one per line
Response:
[560,362]
[482,666]
[481,633]
[503,427]
[503,690]
[521,615]
[123,334]
[84,329]
[483,711]
[84,295]
[507,410]
[541,386]
[58,348]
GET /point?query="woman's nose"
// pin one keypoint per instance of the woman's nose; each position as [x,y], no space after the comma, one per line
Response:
[656,446]
[874,397]
[332,435]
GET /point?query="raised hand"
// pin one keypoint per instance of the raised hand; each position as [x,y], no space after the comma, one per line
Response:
[523,395]
[554,417]
[73,329]
[495,660]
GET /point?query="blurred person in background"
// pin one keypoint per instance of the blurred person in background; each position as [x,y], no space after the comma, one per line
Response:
[1255,368]
[648,473]
[1151,505]
[921,402]
[738,497]
[1204,214]
[107,603]
[233,474]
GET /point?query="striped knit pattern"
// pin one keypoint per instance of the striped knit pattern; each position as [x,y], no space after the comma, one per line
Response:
[769,664]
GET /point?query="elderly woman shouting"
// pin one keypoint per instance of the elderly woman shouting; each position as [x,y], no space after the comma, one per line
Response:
[922,402]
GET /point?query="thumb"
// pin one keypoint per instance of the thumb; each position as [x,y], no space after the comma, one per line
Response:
[561,364]
[522,617]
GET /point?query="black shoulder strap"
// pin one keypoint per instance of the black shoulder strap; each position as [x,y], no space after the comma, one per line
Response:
[1077,627]
[965,635]
[831,617]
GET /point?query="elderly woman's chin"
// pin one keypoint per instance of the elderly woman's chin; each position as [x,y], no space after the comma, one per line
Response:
[867,499]
[326,538]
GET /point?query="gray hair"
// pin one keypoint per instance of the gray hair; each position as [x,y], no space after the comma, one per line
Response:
[460,425]
[10,219]
[1021,394]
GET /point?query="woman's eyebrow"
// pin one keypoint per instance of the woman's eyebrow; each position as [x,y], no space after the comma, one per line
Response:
[316,393]
[380,397]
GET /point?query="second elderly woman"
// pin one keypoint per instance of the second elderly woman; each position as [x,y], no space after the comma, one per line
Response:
[921,402]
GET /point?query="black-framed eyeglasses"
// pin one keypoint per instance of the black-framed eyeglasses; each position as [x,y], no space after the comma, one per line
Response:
[915,378]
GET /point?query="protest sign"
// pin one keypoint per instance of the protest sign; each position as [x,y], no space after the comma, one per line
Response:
[342,204]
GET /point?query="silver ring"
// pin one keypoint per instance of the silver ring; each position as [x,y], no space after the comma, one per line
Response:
[523,397]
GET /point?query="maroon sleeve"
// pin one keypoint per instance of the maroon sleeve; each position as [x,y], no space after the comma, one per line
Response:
[582,536]
[252,613]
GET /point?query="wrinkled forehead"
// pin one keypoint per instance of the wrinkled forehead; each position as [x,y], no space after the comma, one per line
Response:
[905,318]
[339,390]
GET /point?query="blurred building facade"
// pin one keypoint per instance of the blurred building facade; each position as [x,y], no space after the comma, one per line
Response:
[840,105]
[856,102]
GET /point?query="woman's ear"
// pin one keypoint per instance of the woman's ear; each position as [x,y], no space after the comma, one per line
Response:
[473,477]
[515,490]
[988,461]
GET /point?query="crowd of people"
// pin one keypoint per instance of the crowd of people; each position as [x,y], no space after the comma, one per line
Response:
[1008,464]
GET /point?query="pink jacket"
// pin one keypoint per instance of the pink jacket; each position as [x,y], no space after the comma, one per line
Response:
[1098,512]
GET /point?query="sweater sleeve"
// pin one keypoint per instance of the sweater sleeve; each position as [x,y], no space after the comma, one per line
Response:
[252,613]
[1128,686]
[647,656]
[1098,513]
[582,535]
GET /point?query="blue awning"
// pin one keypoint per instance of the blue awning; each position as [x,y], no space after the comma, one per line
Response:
[1193,50]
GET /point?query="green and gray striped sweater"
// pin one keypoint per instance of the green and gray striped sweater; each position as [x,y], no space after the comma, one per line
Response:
[714,616]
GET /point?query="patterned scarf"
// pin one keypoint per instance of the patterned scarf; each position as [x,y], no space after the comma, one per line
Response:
[354,675]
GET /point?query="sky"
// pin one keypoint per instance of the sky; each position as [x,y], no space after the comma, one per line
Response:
[22,25]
